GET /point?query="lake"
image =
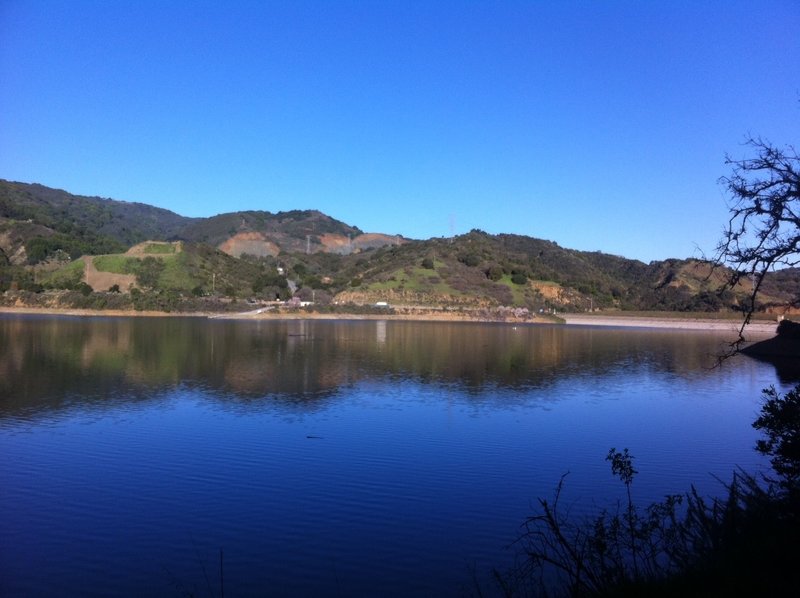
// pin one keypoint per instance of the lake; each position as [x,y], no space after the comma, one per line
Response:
[339,458]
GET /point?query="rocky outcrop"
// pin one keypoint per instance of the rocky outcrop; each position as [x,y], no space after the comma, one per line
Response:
[252,243]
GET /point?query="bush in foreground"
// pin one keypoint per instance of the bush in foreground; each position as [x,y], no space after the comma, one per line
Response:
[745,543]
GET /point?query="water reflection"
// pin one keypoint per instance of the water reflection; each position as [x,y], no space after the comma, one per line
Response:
[404,449]
[44,361]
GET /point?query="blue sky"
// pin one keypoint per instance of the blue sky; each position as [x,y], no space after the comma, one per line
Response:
[598,125]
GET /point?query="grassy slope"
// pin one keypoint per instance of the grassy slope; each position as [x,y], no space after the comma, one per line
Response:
[65,277]
[568,278]
[196,266]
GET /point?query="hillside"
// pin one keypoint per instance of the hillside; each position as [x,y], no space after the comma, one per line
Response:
[262,234]
[103,223]
[94,225]
[261,255]
[478,268]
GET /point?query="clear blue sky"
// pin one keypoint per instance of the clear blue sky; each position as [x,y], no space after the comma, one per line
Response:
[598,125]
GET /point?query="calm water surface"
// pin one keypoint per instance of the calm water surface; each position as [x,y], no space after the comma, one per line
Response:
[334,458]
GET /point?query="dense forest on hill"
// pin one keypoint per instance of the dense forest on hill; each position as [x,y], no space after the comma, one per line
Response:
[292,229]
[308,254]
[100,222]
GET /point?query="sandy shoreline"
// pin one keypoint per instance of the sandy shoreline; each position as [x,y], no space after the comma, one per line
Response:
[117,313]
[760,328]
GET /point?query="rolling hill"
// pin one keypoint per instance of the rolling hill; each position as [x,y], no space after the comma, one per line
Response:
[106,225]
[266,255]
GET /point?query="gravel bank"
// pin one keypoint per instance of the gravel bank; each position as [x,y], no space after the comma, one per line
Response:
[759,328]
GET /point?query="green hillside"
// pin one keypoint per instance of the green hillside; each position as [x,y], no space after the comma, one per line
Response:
[478,268]
[194,269]
[43,232]
[102,225]
[92,225]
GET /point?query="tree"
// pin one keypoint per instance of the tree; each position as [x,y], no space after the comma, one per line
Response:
[780,422]
[470,260]
[494,272]
[519,277]
[763,231]
[148,272]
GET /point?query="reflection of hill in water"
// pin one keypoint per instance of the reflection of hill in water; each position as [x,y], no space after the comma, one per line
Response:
[45,362]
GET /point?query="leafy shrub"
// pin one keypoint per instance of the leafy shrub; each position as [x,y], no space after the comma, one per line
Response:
[780,421]
[494,272]
[148,272]
[743,544]
[519,278]
[470,260]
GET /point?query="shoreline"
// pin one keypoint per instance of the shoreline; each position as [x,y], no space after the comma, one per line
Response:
[676,323]
[621,321]
[258,315]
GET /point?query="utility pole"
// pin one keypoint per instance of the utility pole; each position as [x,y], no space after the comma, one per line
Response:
[308,244]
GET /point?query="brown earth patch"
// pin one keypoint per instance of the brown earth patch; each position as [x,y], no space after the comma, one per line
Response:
[333,242]
[253,243]
[547,290]
[368,240]
[102,281]
[341,244]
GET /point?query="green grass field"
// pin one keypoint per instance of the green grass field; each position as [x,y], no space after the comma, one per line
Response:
[159,248]
[414,279]
[66,276]
[176,274]
[116,264]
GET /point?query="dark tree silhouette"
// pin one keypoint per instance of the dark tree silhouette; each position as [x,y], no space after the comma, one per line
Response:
[763,231]
[780,422]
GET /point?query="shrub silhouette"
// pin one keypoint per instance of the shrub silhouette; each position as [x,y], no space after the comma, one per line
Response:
[743,544]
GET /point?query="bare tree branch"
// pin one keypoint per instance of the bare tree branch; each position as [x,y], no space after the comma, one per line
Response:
[763,230]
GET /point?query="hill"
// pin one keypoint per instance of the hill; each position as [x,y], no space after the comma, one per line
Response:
[258,254]
[260,233]
[478,268]
[93,225]
[102,225]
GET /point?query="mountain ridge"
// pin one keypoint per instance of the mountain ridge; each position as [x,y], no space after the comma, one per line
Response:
[325,258]
[105,221]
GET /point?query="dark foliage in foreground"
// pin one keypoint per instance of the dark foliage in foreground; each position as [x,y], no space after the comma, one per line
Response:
[744,544]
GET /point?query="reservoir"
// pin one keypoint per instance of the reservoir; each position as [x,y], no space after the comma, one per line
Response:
[153,456]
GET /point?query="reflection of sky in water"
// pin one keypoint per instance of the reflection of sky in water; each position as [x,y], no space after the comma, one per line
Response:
[356,455]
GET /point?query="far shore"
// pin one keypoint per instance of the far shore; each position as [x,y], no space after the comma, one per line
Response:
[759,327]
[668,321]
